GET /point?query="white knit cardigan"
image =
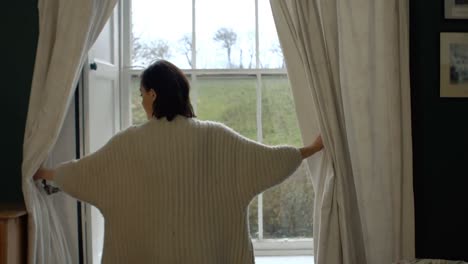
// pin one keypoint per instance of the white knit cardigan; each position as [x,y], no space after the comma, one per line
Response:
[177,192]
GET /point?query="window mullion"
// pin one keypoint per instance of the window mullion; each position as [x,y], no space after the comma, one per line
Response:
[259,116]
[194,59]
[260,139]
[194,39]
[125,46]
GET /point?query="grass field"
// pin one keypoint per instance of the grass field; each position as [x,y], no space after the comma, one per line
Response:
[287,208]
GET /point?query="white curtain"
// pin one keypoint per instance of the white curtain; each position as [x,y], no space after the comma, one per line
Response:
[67,29]
[348,64]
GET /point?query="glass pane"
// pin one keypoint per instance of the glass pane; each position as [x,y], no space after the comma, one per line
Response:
[138,113]
[270,53]
[232,101]
[225,32]
[287,208]
[162,30]
[253,218]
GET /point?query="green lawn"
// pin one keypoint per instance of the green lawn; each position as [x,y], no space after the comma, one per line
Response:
[287,208]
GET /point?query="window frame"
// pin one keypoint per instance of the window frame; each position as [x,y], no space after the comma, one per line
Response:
[262,247]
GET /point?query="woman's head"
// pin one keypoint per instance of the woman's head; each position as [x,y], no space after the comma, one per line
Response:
[165,91]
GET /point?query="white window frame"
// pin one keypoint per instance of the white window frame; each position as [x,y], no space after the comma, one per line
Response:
[283,247]
[262,247]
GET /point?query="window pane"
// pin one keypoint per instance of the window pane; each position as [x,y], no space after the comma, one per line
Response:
[253,218]
[225,32]
[162,30]
[138,113]
[231,100]
[271,55]
[287,208]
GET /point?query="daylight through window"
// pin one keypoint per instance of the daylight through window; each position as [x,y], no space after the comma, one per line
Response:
[231,54]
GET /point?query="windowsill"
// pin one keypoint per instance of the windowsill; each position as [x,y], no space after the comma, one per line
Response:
[283,247]
[284,259]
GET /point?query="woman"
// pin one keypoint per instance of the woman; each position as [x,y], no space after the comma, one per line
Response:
[176,189]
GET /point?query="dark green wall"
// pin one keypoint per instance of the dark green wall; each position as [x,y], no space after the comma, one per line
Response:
[19,29]
[440,141]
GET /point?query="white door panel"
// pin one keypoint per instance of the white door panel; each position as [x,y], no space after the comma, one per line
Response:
[102,123]
[102,115]
[102,44]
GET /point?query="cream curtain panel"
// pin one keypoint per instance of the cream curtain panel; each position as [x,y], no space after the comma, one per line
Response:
[348,64]
[67,29]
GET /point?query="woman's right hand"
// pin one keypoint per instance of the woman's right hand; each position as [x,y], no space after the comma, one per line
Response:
[318,143]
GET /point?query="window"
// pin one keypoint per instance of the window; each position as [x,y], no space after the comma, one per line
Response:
[231,54]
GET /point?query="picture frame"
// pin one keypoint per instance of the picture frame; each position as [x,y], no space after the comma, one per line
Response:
[454,64]
[456,9]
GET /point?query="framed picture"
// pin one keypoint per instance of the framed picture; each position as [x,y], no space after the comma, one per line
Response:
[456,9]
[454,65]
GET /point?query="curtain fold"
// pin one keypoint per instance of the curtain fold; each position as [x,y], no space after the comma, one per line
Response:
[67,29]
[348,64]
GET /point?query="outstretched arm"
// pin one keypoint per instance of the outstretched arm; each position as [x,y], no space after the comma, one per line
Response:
[88,178]
[258,166]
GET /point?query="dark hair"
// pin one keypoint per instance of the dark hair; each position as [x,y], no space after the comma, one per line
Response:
[172,89]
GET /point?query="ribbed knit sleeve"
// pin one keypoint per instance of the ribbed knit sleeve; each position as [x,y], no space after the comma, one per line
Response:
[258,166]
[87,178]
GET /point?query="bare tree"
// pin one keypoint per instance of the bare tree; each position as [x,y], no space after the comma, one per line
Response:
[137,49]
[157,50]
[186,47]
[241,65]
[276,49]
[228,38]
[146,52]
[251,55]
[251,38]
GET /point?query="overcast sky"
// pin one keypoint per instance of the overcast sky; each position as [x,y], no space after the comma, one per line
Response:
[169,20]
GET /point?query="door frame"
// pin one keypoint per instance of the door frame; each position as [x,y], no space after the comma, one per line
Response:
[80,150]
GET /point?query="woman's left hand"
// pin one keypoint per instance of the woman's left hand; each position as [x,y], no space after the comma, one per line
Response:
[313,148]
[43,174]
[318,143]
